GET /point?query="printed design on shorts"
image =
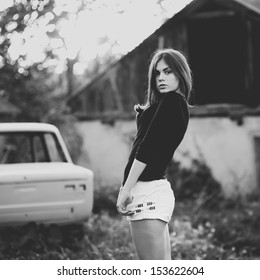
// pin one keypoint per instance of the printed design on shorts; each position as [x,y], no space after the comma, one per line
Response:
[144,206]
[150,205]
[139,208]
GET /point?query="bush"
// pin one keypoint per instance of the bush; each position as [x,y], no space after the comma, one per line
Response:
[196,183]
[101,237]
[105,200]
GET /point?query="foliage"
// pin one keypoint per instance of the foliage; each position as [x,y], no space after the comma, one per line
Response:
[102,237]
[105,198]
[22,84]
[230,233]
[13,21]
[24,20]
[227,233]
[196,182]
[111,236]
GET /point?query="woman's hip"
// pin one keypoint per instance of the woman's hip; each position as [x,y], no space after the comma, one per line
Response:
[152,200]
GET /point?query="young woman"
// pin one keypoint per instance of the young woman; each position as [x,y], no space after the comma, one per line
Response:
[146,196]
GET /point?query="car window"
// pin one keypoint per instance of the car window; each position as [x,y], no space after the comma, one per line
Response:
[39,150]
[26,147]
[14,148]
[54,149]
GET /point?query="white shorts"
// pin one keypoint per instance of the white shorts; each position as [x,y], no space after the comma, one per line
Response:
[152,200]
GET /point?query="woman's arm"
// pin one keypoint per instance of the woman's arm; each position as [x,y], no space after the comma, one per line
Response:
[124,197]
[134,173]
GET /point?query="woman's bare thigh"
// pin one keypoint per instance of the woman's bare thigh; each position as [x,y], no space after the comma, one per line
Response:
[151,238]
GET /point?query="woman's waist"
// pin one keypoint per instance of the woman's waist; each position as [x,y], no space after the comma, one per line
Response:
[153,173]
[154,185]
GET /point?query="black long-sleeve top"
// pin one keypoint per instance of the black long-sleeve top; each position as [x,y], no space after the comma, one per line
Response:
[160,130]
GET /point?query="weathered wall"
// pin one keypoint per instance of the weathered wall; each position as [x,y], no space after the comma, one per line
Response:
[226,148]
[106,149]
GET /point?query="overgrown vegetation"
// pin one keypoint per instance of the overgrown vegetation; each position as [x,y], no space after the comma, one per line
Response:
[213,228]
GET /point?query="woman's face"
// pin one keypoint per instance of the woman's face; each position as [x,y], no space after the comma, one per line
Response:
[166,80]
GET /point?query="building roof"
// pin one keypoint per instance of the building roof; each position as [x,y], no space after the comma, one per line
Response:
[253,5]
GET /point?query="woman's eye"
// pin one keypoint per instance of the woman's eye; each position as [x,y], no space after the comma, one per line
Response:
[167,72]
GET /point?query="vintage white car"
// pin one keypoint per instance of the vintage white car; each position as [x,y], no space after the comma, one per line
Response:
[38,180]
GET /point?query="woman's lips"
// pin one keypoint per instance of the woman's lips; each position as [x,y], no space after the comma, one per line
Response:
[162,86]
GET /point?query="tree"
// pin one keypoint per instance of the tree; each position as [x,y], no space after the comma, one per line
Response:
[14,21]
[32,86]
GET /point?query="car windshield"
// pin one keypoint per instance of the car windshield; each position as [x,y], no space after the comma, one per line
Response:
[27,147]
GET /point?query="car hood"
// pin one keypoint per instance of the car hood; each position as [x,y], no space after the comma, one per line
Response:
[51,171]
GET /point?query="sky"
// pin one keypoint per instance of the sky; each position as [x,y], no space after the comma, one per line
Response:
[126,22]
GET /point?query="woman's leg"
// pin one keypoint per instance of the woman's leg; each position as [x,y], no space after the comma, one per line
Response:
[152,240]
[168,244]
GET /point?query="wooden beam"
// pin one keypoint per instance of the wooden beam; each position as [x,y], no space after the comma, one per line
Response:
[212,14]
[249,75]
[233,111]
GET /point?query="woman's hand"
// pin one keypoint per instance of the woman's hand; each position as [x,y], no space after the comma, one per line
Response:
[124,198]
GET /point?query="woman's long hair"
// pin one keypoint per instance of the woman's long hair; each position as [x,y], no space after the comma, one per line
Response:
[180,67]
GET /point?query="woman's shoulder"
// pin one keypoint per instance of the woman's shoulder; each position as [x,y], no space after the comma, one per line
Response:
[173,95]
[173,98]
